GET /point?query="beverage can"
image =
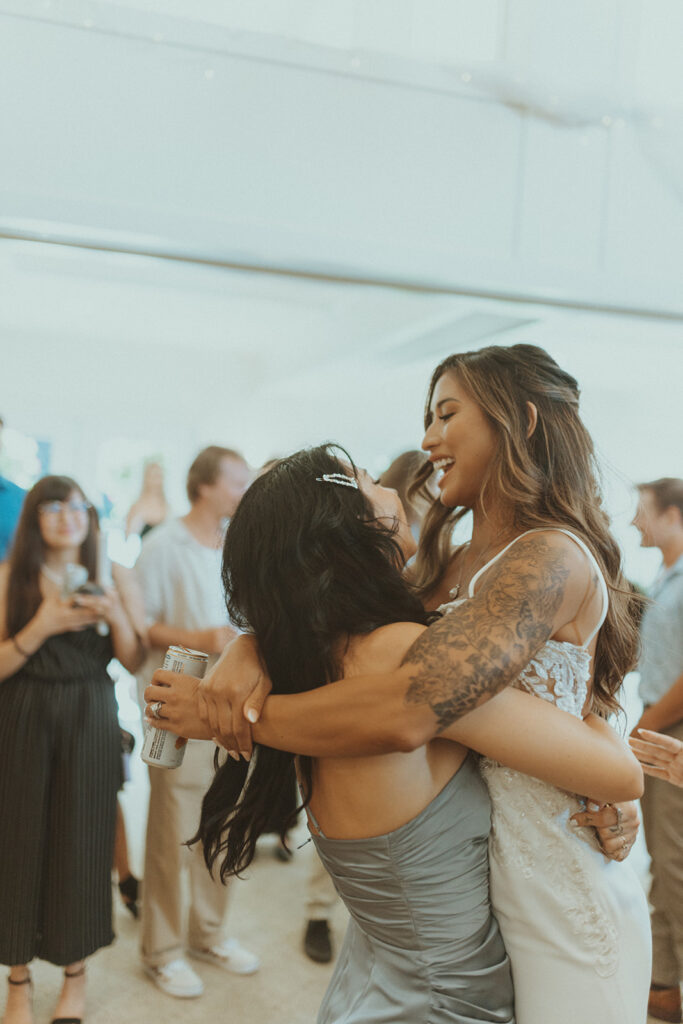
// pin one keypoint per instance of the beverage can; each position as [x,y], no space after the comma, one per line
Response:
[159,747]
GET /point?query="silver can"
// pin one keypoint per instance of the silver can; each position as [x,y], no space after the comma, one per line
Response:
[159,747]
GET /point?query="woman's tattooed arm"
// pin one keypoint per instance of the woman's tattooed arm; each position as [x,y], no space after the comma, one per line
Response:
[471,654]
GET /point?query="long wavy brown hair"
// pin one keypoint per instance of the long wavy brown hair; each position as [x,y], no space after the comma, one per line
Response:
[28,550]
[548,479]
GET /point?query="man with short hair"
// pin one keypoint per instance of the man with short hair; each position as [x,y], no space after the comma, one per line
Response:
[659,520]
[179,570]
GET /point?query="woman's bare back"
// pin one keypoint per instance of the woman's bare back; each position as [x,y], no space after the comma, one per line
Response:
[356,797]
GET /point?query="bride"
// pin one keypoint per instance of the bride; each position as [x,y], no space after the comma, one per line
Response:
[535,600]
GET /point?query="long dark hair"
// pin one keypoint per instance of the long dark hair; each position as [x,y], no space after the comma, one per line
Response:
[306,566]
[548,479]
[28,550]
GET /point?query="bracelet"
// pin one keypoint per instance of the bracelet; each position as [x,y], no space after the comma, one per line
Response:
[22,652]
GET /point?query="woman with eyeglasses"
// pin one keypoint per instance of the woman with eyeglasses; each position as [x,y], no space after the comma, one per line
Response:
[60,757]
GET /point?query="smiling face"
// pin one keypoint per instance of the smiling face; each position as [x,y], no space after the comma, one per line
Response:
[461,443]
[389,509]
[64,524]
[658,528]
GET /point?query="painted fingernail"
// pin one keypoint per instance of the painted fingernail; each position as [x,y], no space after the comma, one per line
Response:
[251,715]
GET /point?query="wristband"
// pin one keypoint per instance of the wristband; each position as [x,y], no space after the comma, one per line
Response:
[22,652]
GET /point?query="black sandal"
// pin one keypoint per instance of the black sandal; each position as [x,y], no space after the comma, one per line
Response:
[129,889]
[70,1020]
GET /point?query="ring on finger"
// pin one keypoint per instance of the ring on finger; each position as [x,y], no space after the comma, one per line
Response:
[155,709]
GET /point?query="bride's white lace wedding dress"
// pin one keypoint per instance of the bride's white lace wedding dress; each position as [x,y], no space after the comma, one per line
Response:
[575,924]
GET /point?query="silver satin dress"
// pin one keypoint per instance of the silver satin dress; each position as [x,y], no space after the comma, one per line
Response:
[422,945]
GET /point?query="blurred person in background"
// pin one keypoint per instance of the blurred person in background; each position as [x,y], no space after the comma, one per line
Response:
[11,499]
[401,476]
[659,520]
[60,753]
[179,571]
[150,507]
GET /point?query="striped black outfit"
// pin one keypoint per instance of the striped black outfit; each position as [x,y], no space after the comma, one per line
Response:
[60,767]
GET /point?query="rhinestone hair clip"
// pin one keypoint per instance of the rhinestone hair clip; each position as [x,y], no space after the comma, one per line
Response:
[338,478]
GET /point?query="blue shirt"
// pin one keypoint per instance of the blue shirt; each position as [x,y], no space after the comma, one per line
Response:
[11,500]
[661,635]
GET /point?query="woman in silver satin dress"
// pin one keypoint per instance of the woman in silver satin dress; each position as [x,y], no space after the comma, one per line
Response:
[312,565]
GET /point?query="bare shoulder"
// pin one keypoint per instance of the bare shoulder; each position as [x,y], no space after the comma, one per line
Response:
[382,650]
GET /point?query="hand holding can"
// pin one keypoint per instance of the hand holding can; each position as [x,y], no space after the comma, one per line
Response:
[159,747]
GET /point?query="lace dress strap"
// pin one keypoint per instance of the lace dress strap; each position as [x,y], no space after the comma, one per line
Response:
[586,550]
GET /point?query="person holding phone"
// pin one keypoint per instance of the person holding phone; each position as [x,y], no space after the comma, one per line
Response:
[60,754]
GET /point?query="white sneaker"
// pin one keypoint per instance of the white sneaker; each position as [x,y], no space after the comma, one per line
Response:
[176,978]
[230,956]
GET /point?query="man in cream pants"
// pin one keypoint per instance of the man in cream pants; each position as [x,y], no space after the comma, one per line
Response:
[179,571]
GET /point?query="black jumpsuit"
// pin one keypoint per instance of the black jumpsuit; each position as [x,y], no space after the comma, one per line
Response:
[60,767]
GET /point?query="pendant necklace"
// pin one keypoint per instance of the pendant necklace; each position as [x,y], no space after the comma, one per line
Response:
[454,591]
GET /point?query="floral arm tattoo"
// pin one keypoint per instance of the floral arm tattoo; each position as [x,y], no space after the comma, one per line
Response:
[476,650]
